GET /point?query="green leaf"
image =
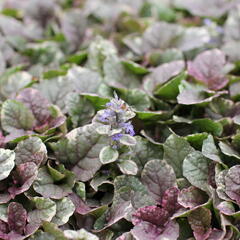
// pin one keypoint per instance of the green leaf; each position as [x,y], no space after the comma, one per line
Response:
[195,169]
[45,210]
[128,167]
[65,209]
[80,189]
[108,155]
[15,115]
[170,90]
[134,67]
[31,149]
[80,150]
[7,163]
[208,125]
[175,150]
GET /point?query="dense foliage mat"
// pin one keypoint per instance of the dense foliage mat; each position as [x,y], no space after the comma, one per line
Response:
[120,119]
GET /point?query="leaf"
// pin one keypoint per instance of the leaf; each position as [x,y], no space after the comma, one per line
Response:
[56,90]
[134,67]
[128,167]
[73,25]
[80,109]
[232,182]
[7,158]
[195,94]
[31,150]
[23,177]
[208,67]
[45,185]
[208,125]
[81,234]
[108,155]
[135,98]
[216,8]
[192,197]
[17,217]
[158,176]
[170,90]
[127,140]
[15,82]
[200,221]
[162,74]
[45,210]
[80,149]
[228,150]
[153,39]
[175,150]
[39,105]
[193,38]
[210,150]
[15,115]
[145,151]
[195,169]
[65,209]
[84,80]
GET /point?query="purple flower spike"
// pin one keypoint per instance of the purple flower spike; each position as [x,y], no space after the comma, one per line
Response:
[108,113]
[128,128]
[116,137]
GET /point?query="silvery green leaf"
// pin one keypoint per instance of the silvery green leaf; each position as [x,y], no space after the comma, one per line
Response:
[65,209]
[103,129]
[7,163]
[108,155]
[128,167]
[128,140]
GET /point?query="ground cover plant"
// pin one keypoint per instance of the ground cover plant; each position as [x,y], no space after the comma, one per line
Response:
[120,119]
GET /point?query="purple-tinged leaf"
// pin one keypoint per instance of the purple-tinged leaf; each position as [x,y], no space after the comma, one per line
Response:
[208,67]
[200,221]
[232,181]
[17,217]
[162,74]
[3,227]
[146,230]
[215,8]
[226,208]
[158,176]
[38,104]
[171,231]
[152,214]
[31,150]
[23,178]
[169,200]
[80,206]
[195,94]
[192,197]
[80,150]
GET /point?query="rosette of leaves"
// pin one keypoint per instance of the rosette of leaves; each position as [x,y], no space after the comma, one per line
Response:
[114,122]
